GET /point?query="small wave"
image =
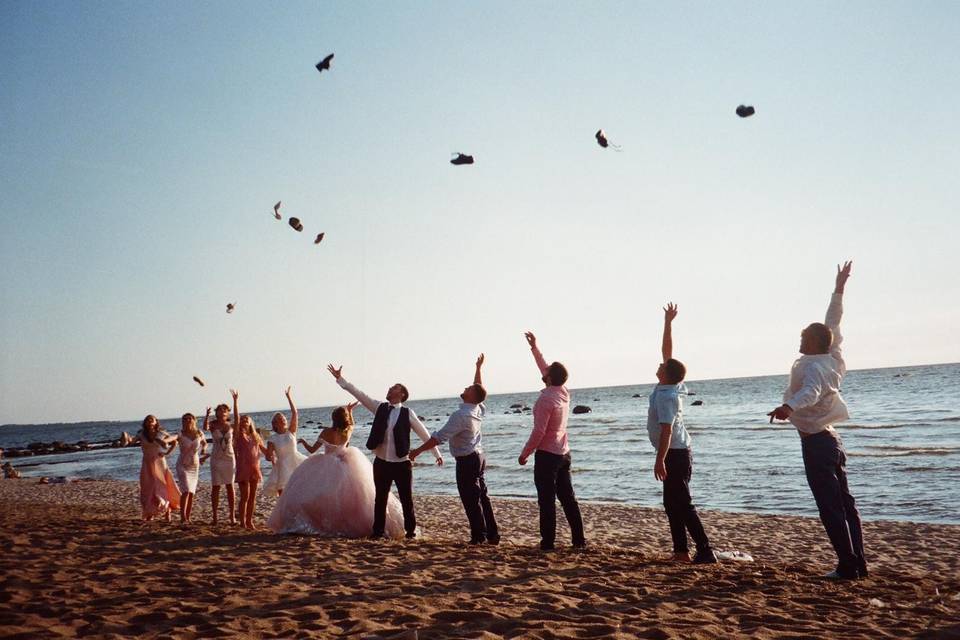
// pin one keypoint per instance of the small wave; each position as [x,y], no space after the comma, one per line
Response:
[855,427]
[895,451]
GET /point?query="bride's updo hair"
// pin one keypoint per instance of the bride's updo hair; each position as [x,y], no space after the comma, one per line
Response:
[342,420]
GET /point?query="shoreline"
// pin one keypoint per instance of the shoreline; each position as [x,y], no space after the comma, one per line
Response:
[78,562]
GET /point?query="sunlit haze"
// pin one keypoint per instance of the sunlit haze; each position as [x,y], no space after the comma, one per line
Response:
[144,146]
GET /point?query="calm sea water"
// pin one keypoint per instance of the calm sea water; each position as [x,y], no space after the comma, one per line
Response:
[903,443]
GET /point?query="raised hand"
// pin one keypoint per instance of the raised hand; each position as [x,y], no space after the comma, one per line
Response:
[350,407]
[531,339]
[208,411]
[480,361]
[234,394]
[334,372]
[843,273]
[670,312]
[287,392]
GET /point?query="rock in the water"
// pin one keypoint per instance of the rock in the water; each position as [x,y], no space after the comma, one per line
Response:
[637,395]
[581,408]
[696,403]
[516,405]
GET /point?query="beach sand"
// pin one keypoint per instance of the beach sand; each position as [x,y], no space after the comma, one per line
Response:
[77,562]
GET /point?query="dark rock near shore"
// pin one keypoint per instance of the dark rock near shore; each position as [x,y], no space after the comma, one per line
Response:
[516,406]
[696,403]
[581,408]
[636,395]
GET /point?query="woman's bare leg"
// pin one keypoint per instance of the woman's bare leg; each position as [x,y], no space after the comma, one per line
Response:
[186,507]
[231,501]
[215,499]
[251,502]
[241,512]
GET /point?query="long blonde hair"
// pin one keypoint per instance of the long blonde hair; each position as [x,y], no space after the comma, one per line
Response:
[252,431]
[342,419]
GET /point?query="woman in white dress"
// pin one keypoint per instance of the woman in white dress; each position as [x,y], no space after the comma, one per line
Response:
[282,450]
[223,461]
[192,445]
[331,494]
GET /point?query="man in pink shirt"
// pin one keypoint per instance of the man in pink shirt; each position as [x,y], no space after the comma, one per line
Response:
[551,466]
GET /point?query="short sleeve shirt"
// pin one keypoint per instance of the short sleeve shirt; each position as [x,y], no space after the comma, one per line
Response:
[666,407]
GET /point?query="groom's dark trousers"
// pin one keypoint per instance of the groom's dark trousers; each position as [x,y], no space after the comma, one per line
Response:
[473,494]
[385,474]
[824,460]
[551,474]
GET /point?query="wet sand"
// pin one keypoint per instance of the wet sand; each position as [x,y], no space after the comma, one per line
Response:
[77,562]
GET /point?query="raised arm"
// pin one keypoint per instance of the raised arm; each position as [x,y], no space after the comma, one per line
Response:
[236,411]
[835,310]
[669,313]
[368,403]
[537,356]
[206,424]
[476,375]
[294,415]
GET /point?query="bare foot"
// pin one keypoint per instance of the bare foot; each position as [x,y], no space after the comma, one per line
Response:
[680,557]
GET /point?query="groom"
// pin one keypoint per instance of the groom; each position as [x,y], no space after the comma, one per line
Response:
[390,442]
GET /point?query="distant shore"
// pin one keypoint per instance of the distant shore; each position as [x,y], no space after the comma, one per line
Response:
[78,562]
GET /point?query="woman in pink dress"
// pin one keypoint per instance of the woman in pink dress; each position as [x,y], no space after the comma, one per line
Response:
[247,447]
[158,491]
[331,493]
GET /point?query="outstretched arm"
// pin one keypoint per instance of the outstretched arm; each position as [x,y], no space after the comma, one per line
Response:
[236,412]
[206,424]
[311,448]
[537,356]
[669,313]
[368,403]
[294,416]
[476,375]
[424,435]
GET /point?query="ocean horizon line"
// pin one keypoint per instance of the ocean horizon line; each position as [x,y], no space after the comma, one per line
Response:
[492,395]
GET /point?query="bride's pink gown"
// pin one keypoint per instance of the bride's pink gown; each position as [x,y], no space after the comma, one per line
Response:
[331,494]
[158,491]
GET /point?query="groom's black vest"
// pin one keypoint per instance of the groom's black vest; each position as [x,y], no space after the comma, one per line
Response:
[401,430]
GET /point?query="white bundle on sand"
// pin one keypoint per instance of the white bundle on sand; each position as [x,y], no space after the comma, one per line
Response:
[736,556]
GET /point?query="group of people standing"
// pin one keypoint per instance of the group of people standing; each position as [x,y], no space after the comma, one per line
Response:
[339,492]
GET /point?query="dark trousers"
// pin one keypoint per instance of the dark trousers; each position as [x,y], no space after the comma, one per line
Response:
[385,474]
[473,495]
[551,473]
[825,463]
[678,503]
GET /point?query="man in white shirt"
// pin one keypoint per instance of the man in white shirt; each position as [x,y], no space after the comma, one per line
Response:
[812,402]
[390,442]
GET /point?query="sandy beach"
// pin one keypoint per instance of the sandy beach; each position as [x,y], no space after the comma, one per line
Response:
[77,562]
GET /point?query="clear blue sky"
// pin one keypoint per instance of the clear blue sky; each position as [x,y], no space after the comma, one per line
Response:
[144,145]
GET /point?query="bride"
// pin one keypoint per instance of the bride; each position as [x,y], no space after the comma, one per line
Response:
[331,494]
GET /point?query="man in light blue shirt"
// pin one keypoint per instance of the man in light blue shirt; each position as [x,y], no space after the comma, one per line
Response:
[674,465]
[666,407]
[463,433]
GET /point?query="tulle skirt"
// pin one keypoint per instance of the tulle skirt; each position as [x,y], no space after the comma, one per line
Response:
[332,494]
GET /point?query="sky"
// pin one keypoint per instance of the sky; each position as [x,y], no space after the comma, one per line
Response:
[144,145]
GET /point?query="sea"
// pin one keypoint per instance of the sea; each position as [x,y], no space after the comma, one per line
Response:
[902,443]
